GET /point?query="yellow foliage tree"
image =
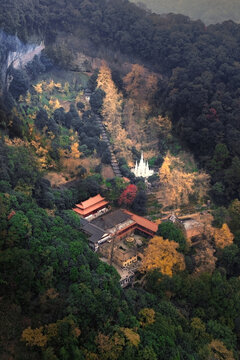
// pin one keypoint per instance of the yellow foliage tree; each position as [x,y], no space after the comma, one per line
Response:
[28,98]
[38,88]
[34,337]
[51,331]
[198,328]
[204,259]
[112,109]
[75,153]
[178,183]
[50,86]
[140,84]
[131,336]
[54,104]
[146,316]
[163,255]
[41,152]
[109,348]
[58,86]
[112,103]
[223,237]
[219,351]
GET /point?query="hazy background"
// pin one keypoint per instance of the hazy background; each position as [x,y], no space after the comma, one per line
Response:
[209,11]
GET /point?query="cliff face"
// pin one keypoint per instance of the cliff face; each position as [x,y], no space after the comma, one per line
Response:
[16,54]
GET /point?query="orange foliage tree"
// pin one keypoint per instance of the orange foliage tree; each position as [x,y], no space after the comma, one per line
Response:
[218,351]
[34,337]
[131,336]
[223,237]
[140,84]
[163,255]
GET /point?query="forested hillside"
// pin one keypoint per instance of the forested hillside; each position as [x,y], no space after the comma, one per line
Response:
[210,12]
[199,65]
[168,85]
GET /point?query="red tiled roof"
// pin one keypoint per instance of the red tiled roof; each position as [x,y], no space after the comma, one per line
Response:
[90,209]
[90,202]
[12,213]
[141,221]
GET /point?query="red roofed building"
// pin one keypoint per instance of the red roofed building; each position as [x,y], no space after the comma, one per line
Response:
[146,226]
[91,206]
[122,223]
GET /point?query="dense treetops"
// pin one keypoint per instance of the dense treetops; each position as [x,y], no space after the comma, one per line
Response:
[58,301]
[199,86]
[208,11]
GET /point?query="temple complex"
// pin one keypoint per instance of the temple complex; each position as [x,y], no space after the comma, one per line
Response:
[142,169]
[96,205]
[115,234]
[101,226]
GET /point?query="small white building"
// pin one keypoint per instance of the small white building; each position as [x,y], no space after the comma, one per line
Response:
[142,169]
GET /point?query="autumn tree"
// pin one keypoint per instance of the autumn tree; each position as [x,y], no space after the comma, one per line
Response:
[132,337]
[162,255]
[179,183]
[112,103]
[204,258]
[128,195]
[75,153]
[112,109]
[34,337]
[146,317]
[109,347]
[38,88]
[216,350]
[223,237]
[140,84]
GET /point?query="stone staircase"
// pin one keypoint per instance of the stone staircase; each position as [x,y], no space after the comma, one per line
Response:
[114,162]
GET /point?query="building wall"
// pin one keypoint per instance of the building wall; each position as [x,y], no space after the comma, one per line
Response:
[123,233]
[129,261]
[94,211]
[190,233]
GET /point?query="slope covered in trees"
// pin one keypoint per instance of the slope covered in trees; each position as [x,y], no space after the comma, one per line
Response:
[199,66]
[57,300]
[210,12]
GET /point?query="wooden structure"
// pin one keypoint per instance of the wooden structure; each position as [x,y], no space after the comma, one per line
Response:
[126,223]
[142,224]
[91,206]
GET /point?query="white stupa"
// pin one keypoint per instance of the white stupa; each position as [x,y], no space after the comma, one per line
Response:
[142,169]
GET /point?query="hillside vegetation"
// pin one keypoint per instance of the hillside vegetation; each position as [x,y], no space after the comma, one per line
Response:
[177,92]
[210,12]
[199,84]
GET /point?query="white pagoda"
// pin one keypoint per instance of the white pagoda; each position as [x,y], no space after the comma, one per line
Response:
[142,169]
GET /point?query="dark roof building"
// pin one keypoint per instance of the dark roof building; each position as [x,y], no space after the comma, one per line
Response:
[117,223]
[112,219]
[96,235]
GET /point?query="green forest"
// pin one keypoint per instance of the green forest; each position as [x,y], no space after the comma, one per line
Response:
[58,300]
[210,12]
